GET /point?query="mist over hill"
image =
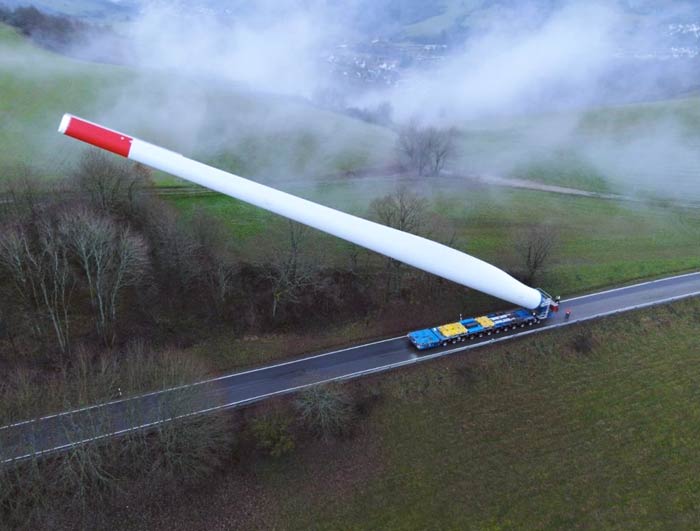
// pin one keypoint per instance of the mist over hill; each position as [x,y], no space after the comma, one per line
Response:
[625,50]
[526,73]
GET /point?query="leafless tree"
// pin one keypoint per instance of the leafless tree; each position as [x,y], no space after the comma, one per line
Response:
[290,271]
[112,184]
[21,195]
[38,268]
[176,253]
[425,150]
[110,259]
[74,484]
[441,148]
[405,211]
[216,253]
[535,247]
[412,149]
[326,409]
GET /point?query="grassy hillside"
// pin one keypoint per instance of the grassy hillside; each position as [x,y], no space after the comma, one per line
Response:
[252,133]
[648,149]
[601,242]
[541,433]
[533,435]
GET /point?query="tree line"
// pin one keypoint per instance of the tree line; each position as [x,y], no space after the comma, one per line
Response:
[53,31]
[100,258]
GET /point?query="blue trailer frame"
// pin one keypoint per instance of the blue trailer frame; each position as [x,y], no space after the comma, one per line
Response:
[486,325]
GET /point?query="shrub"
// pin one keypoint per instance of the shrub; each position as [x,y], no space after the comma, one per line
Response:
[326,410]
[272,434]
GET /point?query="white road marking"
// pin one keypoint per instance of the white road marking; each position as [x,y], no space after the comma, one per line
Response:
[412,360]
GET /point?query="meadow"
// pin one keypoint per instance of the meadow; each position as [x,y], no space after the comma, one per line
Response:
[600,242]
[221,123]
[529,435]
[589,427]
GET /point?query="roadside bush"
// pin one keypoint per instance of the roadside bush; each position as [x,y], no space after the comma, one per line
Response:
[80,483]
[326,410]
[272,434]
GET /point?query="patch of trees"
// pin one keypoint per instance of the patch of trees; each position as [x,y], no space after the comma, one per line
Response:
[84,483]
[52,31]
[425,150]
[99,259]
[335,100]
[86,486]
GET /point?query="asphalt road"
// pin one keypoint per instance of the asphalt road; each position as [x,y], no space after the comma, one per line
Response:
[69,429]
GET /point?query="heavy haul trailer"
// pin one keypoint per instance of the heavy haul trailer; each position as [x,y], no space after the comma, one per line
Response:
[486,325]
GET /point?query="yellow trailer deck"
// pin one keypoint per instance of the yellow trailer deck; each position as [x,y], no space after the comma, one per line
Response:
[452,329]
[484,321]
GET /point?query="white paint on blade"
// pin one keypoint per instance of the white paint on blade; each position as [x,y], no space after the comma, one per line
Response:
[414,250]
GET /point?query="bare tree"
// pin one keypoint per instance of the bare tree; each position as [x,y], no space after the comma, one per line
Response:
[412,149]
[326,409]
[425,150]
[440,146]
[289,270]
[38,268]
[21,195]
[401,210]
[109,257]
[75,483]
[218,263]
[535,247]
[112,184]
[176,253]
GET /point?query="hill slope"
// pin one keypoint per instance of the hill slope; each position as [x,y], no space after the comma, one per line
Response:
[252,133]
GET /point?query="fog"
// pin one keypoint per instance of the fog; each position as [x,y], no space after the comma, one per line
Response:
[238,84]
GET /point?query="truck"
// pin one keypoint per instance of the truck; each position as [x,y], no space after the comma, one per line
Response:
[485,325]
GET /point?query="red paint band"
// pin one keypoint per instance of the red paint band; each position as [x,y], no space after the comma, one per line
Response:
[99,136]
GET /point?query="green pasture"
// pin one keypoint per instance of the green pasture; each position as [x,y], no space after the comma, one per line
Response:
[532,434]
[599,242]
[221,123]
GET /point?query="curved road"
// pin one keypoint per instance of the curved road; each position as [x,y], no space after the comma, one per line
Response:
[69,429]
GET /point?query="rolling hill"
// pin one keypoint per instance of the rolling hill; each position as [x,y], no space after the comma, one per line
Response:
[253,133]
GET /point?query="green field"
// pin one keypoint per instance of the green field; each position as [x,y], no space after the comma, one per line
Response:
[532,434]
[602,242]
[645,149]
[252,133]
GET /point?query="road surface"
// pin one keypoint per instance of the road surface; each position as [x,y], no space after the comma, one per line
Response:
[65,430]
